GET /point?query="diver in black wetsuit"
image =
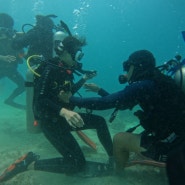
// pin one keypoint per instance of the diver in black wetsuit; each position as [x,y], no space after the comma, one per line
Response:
[57,118]
[162,113]
[10,59]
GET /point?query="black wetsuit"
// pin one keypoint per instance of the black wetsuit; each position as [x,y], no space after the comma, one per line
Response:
[9,69]
[162,114]
[175,166]
[56,129]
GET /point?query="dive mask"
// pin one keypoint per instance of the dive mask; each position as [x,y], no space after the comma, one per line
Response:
[127,64]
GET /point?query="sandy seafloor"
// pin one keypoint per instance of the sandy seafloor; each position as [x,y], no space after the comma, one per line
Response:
[15,141]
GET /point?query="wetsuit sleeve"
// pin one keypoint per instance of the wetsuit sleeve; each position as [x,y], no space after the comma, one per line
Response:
[81,82]
[126,98]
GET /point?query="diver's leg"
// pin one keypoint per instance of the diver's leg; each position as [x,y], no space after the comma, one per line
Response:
[97,122]
[59,135]
[54,165]
[123,144]
[17,78]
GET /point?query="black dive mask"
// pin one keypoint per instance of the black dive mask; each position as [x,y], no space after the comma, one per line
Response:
[122,79]
[126,66]
[76,55]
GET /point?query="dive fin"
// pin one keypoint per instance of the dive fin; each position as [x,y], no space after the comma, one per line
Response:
[86,139]
[148,162]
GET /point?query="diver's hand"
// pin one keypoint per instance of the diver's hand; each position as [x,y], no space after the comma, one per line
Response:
[73,118]
[91,87]
[8,58]
[88,76]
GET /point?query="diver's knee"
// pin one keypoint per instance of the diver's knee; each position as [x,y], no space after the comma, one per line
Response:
[120,137]
[123,141]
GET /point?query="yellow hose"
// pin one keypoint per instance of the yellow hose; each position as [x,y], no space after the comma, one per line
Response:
[28,64]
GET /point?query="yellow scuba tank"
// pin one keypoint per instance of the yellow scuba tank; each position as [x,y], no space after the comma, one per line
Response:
[31,124]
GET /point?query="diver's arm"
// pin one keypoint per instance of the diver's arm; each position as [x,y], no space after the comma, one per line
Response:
[82,81]
[127,98]
[97,103]
[92,87]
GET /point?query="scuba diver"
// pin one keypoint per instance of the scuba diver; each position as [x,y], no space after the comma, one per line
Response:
[10,59]
[162,113]
[57,118]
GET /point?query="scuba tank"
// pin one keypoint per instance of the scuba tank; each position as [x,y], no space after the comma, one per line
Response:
[31,124]
[62,31]
[57,38]
[175,68]
[177,71]
[179,78]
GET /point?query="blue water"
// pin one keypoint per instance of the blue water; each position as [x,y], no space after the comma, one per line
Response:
[113,29]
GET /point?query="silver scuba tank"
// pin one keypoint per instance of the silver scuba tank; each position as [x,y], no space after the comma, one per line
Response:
[58,37]
[179,77]
[31,124]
